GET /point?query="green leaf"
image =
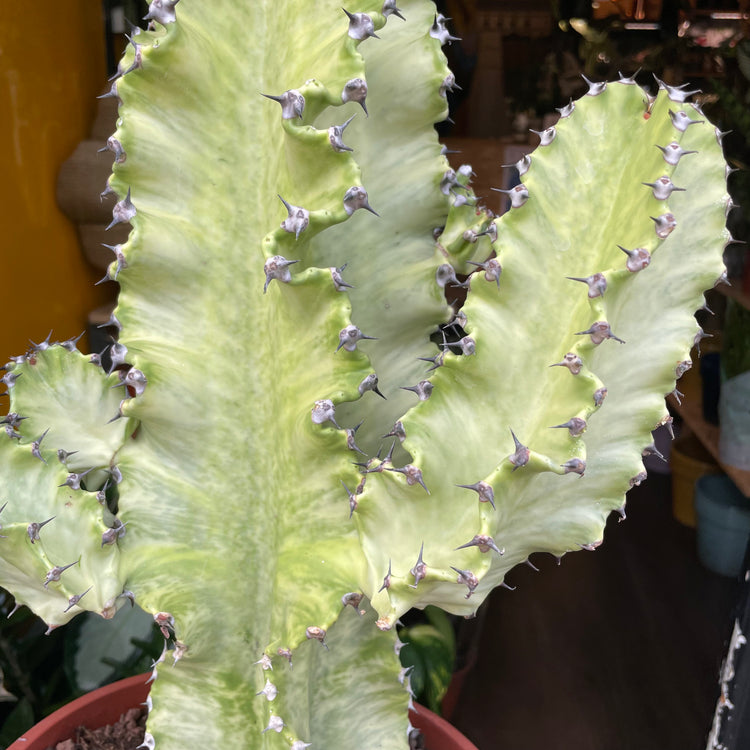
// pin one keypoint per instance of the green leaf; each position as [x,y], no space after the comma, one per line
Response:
[429,651]
[98,651]
[20,719]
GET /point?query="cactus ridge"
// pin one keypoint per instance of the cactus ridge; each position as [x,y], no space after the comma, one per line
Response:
[277,464]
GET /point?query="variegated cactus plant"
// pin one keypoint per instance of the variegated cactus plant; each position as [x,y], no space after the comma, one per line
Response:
[278,437]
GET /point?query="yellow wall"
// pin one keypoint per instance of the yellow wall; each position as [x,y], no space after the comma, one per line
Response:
[52,66]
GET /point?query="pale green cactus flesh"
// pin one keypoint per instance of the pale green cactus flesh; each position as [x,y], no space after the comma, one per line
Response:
[230,490]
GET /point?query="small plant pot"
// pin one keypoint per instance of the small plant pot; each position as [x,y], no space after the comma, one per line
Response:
[734,415]
[723,524]
[105,706]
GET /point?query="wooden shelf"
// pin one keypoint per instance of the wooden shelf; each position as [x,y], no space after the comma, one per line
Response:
[691,411]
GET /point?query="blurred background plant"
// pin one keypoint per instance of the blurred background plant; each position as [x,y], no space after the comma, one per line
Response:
[429,654]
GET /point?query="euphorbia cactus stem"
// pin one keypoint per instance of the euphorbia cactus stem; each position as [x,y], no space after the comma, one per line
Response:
[231,471]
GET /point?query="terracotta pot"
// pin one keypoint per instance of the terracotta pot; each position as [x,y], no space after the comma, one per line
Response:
[107,704]
[455,687]
[93,710]
[438,733]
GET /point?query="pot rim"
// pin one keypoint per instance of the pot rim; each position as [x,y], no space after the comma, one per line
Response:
[106,704]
